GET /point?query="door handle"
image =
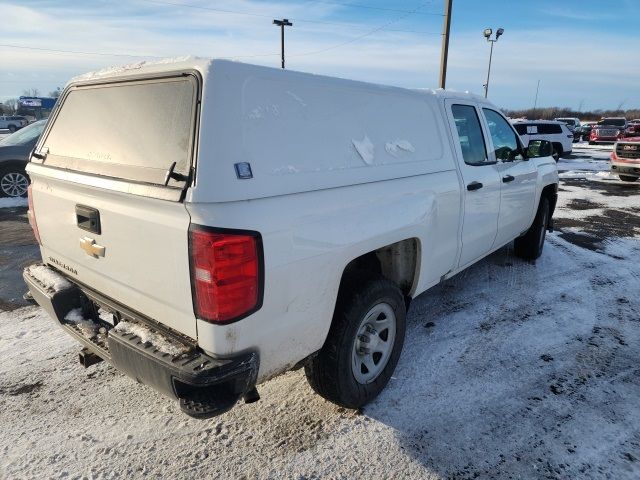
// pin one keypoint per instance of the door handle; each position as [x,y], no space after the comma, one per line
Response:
[508,178]
[474,186]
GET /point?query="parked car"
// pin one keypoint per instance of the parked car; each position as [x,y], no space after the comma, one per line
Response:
[625,159]
[12,122]
[14,156]
[275,220]
[608,130]
[585,130]
[573,124]
[633,129]
[553,131]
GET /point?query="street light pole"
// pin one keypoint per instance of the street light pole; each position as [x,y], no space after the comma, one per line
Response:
[487,33]
[282,23]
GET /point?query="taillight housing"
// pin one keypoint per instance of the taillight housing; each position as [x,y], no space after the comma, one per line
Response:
[227,273]
[31,215]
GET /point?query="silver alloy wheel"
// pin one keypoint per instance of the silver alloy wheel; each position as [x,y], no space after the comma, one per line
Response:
[14,184]
[374,343]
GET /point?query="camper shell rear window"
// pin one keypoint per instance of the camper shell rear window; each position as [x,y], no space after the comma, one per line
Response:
[130,130]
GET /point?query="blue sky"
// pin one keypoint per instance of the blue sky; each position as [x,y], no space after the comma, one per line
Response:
[585,53]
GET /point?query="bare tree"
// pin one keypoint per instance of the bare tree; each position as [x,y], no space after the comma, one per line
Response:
[55,93]
[31,92]
[11,105]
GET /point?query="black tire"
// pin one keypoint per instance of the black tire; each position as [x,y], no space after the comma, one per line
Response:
[13,182]
[12,128]
[627,178]
[529,246]
[331,372]
[591,142]
[557,151]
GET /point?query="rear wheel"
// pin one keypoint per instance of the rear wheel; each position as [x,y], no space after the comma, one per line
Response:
[364,342]
[530,245]
[627,178]
[557,151]
[12,128]
[13,182]
[591,142]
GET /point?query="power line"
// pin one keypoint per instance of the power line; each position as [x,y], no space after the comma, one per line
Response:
[371,7]
[315,52]
[75,52]
[298,20]
[360,37]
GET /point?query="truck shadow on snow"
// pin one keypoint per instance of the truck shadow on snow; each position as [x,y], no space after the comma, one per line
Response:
[515,369]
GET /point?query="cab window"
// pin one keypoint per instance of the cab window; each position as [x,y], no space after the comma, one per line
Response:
[505,142]
[474,150]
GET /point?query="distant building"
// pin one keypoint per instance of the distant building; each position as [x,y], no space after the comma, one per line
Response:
[35,107]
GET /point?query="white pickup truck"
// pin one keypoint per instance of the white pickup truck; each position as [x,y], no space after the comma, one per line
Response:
[205,225]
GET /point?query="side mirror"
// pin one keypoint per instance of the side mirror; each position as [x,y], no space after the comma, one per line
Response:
[539,148]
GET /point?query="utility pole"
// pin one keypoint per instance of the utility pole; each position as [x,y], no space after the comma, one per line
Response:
[446,27]
[282,23]
[535,103]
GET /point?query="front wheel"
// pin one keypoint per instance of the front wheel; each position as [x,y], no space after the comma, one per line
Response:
[627,178]
[13,182]
[364,342]
[530,245]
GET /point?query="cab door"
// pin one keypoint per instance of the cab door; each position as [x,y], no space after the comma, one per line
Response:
[518,178]
[481,181]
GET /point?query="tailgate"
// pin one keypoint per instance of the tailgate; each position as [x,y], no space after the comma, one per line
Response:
[108,176]
[145,265]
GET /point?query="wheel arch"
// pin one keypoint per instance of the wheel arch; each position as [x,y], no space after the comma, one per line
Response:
[7,164]
[398,262]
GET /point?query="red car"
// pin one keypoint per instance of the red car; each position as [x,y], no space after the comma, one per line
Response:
[633,129]
[608,130]
[625,159]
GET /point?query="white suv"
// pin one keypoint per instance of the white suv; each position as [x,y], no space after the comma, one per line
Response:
[555,132]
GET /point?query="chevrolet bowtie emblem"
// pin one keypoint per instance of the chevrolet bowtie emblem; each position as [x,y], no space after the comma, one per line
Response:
[91,248]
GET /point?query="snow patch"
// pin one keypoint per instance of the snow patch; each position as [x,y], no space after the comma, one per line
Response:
[88,327]
[262,111]
[11,202]
[147,335]
[365,149]
[397,147]
[49,278]
[289,169]
[296,98]
[130,66]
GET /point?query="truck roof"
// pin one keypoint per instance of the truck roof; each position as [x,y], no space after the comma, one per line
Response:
[204,64]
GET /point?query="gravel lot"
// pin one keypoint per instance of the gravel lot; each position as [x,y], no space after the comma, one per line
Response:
[510,370]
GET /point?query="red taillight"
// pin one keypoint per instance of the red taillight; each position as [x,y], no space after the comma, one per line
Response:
[226,273]
[31,214]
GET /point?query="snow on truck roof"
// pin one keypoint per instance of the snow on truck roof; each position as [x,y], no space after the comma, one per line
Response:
[203,64]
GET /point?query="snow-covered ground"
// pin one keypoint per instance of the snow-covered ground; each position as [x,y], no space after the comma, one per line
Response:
[10,202]
[510,370]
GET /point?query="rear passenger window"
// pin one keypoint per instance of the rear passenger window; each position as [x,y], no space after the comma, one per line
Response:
[474,151]
[505,142]
[549,128]
[521,129]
